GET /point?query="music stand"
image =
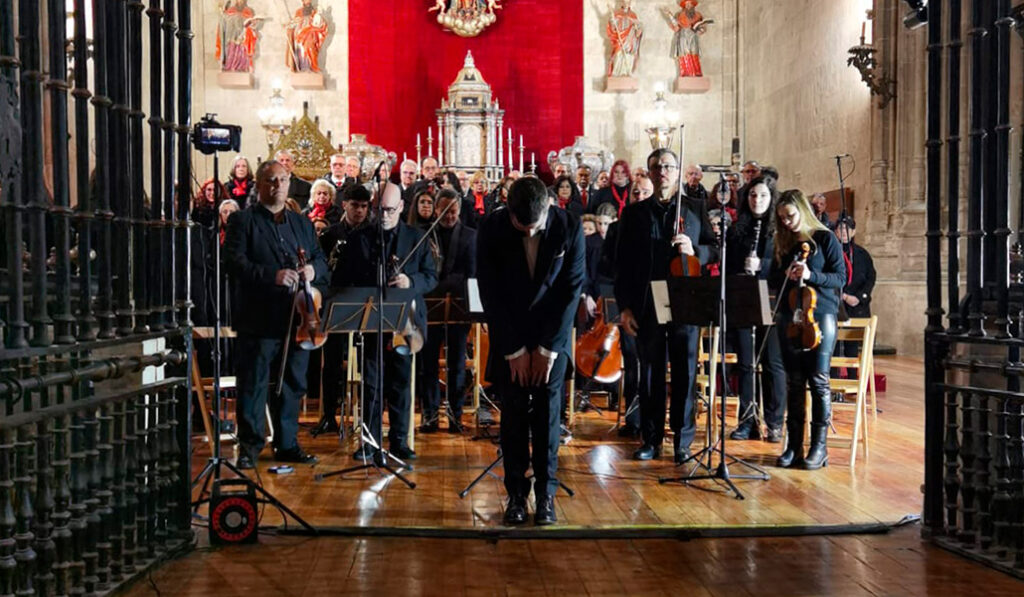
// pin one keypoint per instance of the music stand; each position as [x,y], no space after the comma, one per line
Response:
[444,311]
[357,310]
[703,301]
[475,310]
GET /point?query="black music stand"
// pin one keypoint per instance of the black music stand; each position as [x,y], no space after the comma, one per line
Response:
[702,301]
[357,310]
[444,311]
[475,310]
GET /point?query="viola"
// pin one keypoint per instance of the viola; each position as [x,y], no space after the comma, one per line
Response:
[307,303]
[598,352]
[683,266]
[803,331]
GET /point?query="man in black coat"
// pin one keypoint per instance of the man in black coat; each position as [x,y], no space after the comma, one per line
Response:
[456,244]
[531,270]
[647,244]
[298,188]
[857,294]
[359,268]
[261,253]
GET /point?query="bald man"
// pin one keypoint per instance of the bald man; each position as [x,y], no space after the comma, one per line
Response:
[359,268]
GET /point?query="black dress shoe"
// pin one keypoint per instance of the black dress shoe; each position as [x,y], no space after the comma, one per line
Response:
[296,455]
[430,427]
[365,453]
[245,462]
[774,435]
[515,511]
[403,453]
[681,455]
[545,513]
[454,427]
[647,452]
[327,424]
[746,430]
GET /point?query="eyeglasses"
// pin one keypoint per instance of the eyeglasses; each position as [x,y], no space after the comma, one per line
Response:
[664,167]
[388,211]
[749,171]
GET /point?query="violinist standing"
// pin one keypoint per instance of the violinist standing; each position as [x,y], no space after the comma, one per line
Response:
[648,242]
[824,272]
[261,253]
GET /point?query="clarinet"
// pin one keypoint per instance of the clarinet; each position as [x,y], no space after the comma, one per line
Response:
[757,239]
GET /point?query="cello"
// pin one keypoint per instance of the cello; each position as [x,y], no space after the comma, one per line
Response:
[598,352]
[803,331]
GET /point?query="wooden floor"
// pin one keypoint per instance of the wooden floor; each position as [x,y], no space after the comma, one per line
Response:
[614,491]
[896,564]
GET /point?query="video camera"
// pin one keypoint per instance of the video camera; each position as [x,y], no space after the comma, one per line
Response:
[210,136]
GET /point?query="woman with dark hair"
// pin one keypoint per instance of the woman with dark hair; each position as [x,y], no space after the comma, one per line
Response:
[240,185]
[750,253]
[567,196]
[421,214]
[724,197]
[617,191]
[807,368]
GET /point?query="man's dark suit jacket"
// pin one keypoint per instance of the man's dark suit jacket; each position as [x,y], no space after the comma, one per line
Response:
[644,250]
[253,253]
[298,189]
[459,262]
[524,312]
[359,266]
[862,282]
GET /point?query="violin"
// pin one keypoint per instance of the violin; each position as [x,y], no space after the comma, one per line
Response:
[307,302]
[598,352]
[803,331]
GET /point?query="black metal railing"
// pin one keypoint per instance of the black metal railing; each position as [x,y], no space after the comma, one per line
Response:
[974,410]
[94,448]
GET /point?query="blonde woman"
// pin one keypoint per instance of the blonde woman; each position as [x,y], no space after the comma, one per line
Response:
[825,272]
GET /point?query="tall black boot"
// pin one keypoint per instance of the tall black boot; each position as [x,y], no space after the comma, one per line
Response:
[817,456]
[794,454]
[821,414]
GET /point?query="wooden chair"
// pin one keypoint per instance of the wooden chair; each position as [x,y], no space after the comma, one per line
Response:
[707,374]
[862,331]
[204,385]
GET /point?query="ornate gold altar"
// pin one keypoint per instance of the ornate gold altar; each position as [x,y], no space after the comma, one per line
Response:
[470,123]
[310,148]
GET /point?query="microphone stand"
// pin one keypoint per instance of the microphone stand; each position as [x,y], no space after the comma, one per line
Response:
[721,472]
[380,461]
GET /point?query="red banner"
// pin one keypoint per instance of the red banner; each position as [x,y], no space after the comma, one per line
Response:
[401,63]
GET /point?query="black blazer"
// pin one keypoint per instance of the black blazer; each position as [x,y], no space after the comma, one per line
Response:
[741,241]
[253,253]
[862,282]
[828,273]
[524,312]
[644,249]
[459,262]
[358,267]
[298,189]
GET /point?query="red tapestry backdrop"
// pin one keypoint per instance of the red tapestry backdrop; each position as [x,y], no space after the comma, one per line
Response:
[401,63]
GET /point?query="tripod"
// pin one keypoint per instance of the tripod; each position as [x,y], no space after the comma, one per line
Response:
[380,461]
[721,472]
[212,470]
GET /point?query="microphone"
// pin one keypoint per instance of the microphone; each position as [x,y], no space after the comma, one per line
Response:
[841,156]
[715,168]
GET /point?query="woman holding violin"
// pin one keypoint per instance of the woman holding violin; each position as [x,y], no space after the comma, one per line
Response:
[751,246]
[808,271]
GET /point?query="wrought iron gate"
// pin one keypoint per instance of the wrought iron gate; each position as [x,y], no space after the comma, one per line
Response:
[974,428]
[94,311]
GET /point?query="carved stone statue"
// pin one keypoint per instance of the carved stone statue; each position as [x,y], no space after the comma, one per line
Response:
[236,37]
[306,33]
[689,25]
[625,34]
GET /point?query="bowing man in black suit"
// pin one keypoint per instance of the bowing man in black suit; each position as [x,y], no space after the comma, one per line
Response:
[531,270]
[647,244]
[261,252]
[359,268]
[457,245]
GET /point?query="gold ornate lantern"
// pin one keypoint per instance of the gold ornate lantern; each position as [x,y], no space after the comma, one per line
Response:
[470,123]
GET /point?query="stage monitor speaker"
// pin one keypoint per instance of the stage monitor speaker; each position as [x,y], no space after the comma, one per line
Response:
[233,515]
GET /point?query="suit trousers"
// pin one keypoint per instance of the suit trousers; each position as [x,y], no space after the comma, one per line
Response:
[397,375]
[258,365]
[658,345]
[532,414]
[773,373]
[455,357]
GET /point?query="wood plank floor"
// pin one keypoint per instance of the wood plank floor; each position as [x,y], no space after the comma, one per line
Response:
[895,564]
[614,491]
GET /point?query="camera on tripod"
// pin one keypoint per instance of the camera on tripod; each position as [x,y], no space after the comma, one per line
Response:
[210,136]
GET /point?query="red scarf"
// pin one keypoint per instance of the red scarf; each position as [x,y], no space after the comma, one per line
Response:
[241,188]
[223,234]
[318,212]
[478,204]
[620,200]
[563,202]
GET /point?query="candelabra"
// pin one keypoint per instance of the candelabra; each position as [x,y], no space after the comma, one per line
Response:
[660,120]
[275,118]
[862,58]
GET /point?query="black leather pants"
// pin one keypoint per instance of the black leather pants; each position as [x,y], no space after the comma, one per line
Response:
[810,369]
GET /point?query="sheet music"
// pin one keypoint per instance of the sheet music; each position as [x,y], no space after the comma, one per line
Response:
[662,310]
[473,296]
